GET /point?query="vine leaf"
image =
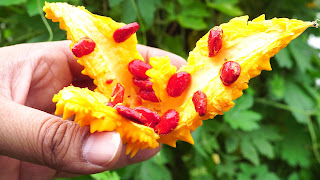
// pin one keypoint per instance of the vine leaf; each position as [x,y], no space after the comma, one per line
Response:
[298,99]
[283,58]
[240,117]
[293,148]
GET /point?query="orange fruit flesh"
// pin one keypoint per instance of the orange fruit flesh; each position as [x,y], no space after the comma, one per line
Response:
[250,43]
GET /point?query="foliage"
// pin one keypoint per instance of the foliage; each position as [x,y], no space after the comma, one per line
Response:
[271,133]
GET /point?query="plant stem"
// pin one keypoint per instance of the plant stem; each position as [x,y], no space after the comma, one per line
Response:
[313,139]
[285,107]
[144,35]
[45,21]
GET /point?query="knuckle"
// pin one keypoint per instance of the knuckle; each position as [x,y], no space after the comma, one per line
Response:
[55,138]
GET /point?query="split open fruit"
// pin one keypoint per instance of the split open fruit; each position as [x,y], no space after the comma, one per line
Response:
[156,103]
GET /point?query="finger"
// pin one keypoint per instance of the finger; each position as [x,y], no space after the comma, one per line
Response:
[34,136]
[148,52]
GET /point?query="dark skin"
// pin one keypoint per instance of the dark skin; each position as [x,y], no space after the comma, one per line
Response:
[35,144]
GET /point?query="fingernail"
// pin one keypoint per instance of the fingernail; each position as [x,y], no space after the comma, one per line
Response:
[101,147]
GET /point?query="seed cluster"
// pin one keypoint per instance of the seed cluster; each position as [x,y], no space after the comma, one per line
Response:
[177,83]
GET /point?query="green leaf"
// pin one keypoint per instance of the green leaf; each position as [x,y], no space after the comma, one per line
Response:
[32,6]
[241,118]
[294,176]
[147,8]
[232,143]
[248,151]
[264,147]
[294,147]
[150,170]
[192,22]
[227,7]
[113,3]
[185,2]
[244,120]
[228,168]
[283,58]
[301,53]
[259,172]
[11,2]
[299,100]
[107,175]
[129,14]
[196,9]
[277,87]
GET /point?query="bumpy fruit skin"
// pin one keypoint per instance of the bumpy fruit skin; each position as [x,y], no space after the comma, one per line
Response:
[230,72]
[83,47]
[123,33]
[249,43]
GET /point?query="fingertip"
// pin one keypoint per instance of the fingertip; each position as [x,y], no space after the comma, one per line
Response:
[102,148]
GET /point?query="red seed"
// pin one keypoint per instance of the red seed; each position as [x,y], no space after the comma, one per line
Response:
[123,33]
[148,95]
[109,81]
[168,122]
[152,117]
[199,100]
[83,47]
[131,114]
[117,95]
[215,41]
[145,84]
[178,83]
[230,72]
[138,68]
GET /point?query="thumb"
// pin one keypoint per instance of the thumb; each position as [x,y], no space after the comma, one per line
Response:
[35,136]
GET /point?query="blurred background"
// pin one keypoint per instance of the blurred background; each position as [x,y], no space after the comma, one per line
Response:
[273,131]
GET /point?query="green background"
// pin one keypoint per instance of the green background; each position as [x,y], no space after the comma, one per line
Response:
[273,131]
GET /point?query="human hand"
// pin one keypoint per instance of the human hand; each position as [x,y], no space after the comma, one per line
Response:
[34,144]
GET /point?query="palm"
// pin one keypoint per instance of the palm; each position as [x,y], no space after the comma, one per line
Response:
[34,83]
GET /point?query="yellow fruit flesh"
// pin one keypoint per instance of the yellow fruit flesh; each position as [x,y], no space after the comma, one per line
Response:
[250,43]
